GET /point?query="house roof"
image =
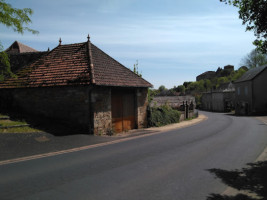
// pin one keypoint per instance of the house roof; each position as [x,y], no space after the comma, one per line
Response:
[18,47]
[251,74]
[75,64]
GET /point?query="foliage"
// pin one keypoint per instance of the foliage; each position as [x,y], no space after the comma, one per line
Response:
[181,89]
[186,83]
[135,69]
[15,18]
[163,91]
[198,99]
[163,115]
[18,20]
[254,16]
[254,59]
[238,73]
[151,94]
[5,69]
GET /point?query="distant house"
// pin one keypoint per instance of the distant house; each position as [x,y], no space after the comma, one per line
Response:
[21,55]
[78,85]
[251,92]
[220,100]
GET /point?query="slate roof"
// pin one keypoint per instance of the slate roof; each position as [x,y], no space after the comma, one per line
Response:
[251,74]
[75,64]
[18,47]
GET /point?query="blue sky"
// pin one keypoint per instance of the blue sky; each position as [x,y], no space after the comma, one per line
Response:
[173,40]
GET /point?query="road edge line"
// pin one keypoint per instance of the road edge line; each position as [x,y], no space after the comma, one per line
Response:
[76,149]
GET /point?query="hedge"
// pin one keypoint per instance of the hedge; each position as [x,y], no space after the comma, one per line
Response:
[162,115]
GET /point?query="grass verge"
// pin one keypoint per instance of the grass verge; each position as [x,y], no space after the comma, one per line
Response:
[19,130]
[6,126]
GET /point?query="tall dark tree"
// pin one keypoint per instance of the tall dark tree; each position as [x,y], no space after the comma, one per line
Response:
[254,16]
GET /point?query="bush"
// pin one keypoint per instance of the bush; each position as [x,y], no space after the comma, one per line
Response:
[163,115]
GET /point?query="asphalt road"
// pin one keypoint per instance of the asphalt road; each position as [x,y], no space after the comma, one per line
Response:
[170,165]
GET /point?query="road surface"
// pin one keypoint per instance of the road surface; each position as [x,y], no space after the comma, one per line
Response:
[171,165]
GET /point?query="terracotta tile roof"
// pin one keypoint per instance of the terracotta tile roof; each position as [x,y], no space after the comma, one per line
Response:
[75,64]
[108,71]
[18,47]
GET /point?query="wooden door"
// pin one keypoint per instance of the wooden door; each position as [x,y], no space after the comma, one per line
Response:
[123,110]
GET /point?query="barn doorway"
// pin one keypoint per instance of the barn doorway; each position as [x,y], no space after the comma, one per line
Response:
[123,110]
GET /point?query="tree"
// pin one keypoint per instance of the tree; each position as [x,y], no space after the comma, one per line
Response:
[254,59]
[18,20]
[237,74]
[180,88]
[186,84]
[254,16]
[162,88]
[207,84]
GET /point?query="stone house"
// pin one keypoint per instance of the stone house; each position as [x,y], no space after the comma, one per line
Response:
[251,92]
[79,85]
[220,100]
[21,55]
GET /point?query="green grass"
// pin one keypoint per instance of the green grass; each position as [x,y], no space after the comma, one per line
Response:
[19,130]
[1,115]
[8,122]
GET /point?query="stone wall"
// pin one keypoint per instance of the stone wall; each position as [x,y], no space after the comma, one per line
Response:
[88,108]
[68,105]
[142,103]
[101,109]
[260,94]
[218,101]
[174,102]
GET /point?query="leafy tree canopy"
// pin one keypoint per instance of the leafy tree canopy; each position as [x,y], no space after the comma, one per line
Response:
[18,20]
[254,16]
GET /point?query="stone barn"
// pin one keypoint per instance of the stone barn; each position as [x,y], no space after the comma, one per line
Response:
[251,92]
[79,85]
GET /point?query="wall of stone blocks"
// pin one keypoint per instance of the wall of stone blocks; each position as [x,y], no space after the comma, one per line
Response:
[69,105]
[101,109]
[142,103]
[83,107]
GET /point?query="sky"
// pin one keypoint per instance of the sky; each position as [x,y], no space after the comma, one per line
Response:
[173,40]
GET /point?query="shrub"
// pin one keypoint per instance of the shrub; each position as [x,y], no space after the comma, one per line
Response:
[162,115]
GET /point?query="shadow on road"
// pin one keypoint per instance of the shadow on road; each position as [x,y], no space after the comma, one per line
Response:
[252,180]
